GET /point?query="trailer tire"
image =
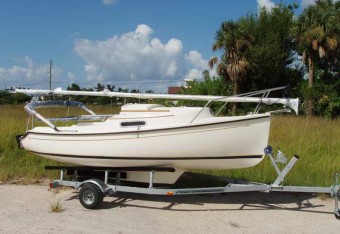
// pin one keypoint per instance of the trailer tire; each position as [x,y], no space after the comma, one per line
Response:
[337,216]
[90,196]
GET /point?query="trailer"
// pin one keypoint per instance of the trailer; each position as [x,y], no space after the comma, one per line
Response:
[93,189]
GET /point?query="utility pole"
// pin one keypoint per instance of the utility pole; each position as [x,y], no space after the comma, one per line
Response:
[51,64]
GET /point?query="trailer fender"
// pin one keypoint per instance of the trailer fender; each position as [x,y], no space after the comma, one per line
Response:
[101,185]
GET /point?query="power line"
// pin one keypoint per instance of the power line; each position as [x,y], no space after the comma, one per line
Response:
[129,83]
[30,84]
[95,83]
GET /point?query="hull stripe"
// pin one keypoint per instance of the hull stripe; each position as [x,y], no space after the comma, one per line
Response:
[149,158]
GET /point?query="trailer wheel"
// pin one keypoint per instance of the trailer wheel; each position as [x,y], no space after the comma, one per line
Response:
[90,196]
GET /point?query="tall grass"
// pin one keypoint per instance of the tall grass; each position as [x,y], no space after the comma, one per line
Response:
[315,140]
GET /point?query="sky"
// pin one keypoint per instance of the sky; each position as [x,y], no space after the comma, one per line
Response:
[134,44]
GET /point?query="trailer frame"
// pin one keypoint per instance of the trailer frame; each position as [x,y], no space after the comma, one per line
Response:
[92,191]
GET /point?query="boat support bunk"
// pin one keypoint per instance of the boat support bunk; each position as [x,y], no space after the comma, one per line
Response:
[92,191]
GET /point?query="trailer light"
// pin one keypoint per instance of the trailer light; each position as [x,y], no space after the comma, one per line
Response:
[54,184]
[170,193]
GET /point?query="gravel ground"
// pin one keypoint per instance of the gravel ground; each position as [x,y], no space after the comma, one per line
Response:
[26,209]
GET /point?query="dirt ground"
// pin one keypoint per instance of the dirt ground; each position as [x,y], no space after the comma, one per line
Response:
[26,209]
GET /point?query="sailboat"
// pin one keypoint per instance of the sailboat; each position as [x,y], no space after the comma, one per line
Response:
[154,135]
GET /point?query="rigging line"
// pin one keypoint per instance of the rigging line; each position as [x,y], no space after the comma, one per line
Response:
[126,83]
[28,84]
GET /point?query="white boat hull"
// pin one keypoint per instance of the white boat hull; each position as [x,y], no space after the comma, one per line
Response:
[217,144]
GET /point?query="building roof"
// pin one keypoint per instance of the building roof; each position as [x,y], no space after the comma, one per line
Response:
[174,90]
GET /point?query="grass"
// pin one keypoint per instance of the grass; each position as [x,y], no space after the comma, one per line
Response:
[315,140]
[56,206]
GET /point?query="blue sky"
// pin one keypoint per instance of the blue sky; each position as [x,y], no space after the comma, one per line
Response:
[138,44]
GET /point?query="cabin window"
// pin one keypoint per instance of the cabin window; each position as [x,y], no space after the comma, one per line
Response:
[132,123]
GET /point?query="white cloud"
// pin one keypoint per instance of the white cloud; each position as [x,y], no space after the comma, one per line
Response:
[196,59]
[199,64]
[109,2]
[28,75]
[267,4]
[193,74]
[137,56]
[306,3]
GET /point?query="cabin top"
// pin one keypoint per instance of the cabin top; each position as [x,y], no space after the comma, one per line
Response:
[142,108]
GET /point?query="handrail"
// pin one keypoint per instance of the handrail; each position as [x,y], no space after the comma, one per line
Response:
[53,103]
[30,108]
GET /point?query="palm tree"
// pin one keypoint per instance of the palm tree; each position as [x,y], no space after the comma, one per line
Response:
[317,34]
[232,42]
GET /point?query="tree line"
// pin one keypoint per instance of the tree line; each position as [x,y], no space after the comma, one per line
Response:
[275,48]
[8,97]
